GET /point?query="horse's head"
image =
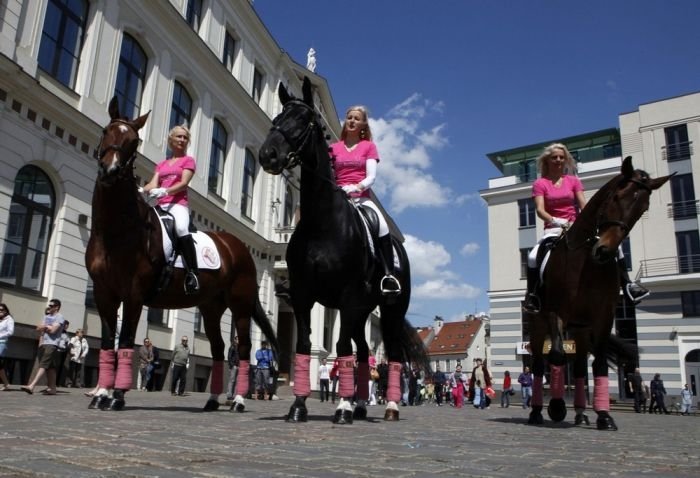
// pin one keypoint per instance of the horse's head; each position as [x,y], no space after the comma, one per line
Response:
[625,203]
[290,133]
[117,148]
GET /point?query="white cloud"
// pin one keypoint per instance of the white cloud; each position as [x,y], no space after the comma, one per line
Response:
[427,258]
[406,146]
[441,289]
[469,249]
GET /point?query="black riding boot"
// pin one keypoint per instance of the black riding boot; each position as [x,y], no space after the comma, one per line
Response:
[189,256]
[532,300]
[389,284]
[633,290]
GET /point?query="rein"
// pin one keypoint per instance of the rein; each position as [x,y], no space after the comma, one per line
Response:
[295,158]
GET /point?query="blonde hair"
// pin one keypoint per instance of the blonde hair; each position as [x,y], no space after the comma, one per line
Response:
[366,132]
[543,164]
[172,133]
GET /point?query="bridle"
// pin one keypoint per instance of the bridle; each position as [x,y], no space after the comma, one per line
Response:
[117,148]
[605,223]
[294,158]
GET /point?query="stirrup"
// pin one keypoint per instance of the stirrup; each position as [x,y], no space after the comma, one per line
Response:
[392,281]
[635,292]
[191,283]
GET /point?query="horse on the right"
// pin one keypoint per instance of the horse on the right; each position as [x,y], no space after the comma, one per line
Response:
[580,290]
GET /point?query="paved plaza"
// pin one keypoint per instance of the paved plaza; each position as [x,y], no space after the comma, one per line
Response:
[165,436]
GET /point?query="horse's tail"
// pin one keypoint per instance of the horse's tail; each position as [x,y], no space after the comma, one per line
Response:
[413,348]
[621,352]
[262,321]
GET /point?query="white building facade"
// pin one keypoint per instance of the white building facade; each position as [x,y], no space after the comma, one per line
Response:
[663,249]
[210,64]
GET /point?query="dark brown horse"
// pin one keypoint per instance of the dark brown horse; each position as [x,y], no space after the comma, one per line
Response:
[580,292]
[125,260]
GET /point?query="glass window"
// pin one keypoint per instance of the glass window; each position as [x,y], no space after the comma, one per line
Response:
[690,301]
[194,14]
[523,263]
[677,144]
[288,207]
[683,196]
[157,317]
[62,39]
[257,85]
[219,141]
[229,55]
[248,184]
[627,251]
[131,77]
[688,244]
[526,208]
[29,229]
[181,112]
[198,321]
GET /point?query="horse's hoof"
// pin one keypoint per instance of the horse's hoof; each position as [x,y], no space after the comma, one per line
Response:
[237,407]
[297,414]
[360,413]
[211,406]
[536,417]
[343,417]
[391,415]
[94,403]
[115,404]
[605,422]
[557,409]
[581,418]
[101,402]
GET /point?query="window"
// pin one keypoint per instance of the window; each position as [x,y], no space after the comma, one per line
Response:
[627,251]
[131,77]
[526,208]
[194,14]
[690,301]
[257,85]
[181,112]
[248,184]
[683,196]
[688,245]
[219,141]
[677,144]
[62,39]
[288,207]
[527,171]
[157,317]
[198,321]
[28,230]
[523,263]
[626,320]
[229,56]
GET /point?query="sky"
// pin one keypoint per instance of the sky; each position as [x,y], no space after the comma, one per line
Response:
[449,81]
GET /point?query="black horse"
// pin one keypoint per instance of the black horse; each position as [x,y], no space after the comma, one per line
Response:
[580,291]
[330,262]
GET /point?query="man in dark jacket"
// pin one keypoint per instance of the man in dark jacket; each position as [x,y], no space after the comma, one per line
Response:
[233,362]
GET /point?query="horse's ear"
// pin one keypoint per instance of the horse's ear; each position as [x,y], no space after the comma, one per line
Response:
[283,94]
[658,182]
[114,108]
[140,121]
[308,93]
[627,168]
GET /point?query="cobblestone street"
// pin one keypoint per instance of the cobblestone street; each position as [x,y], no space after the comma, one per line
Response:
[161,435]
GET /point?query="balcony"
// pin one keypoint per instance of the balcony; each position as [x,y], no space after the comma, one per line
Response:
[666,266]
[677,151]
[683,209]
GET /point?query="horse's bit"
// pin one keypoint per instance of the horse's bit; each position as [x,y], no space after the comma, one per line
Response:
[118,148]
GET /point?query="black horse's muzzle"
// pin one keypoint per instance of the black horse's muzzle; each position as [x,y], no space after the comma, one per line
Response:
[270,160]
